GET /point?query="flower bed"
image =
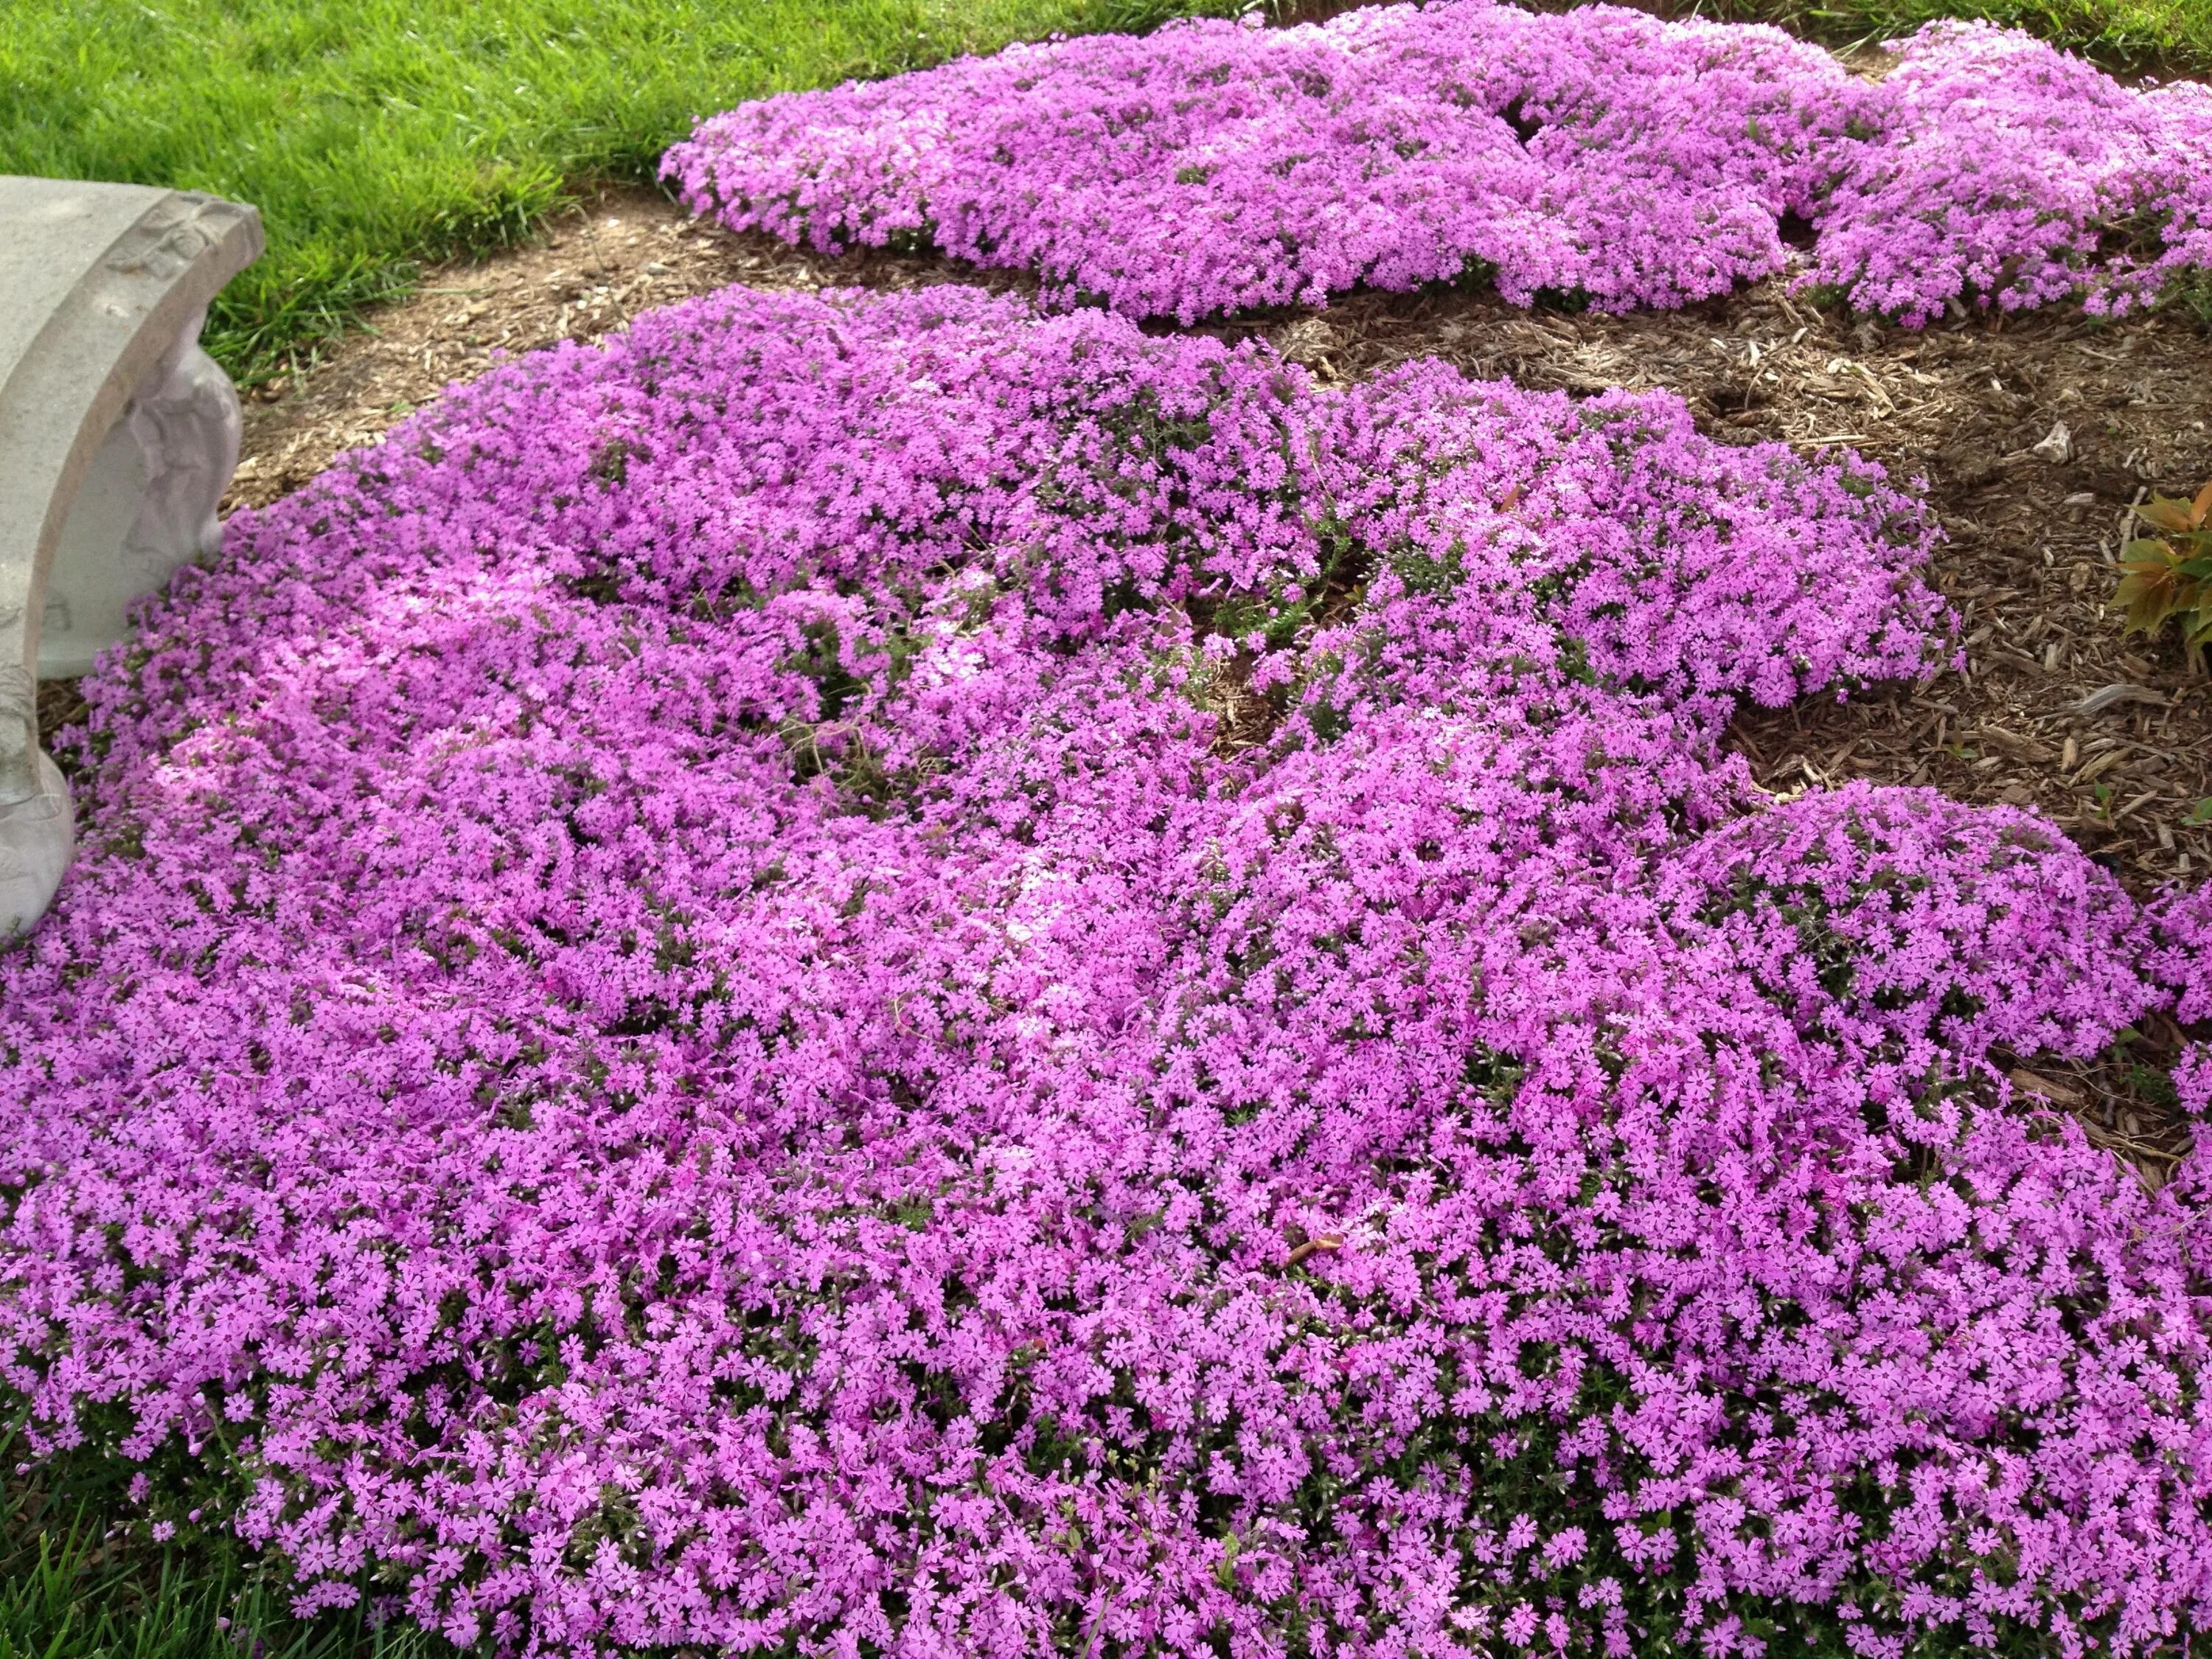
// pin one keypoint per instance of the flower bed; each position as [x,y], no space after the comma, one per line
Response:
[881,970]
[1599,156]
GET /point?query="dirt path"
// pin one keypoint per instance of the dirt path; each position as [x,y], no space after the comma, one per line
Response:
[2112,739]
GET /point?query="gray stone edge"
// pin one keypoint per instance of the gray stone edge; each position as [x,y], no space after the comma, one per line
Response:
[125,312]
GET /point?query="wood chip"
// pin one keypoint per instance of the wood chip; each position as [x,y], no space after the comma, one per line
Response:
[2050,1089]
[2105,699]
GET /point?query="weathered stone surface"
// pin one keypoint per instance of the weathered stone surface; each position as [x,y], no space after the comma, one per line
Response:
[147,506]
[117,435]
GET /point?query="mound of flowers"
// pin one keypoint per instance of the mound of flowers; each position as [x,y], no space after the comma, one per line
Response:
[888,974]
[1599,156]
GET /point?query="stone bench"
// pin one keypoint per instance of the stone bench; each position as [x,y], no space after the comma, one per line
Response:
[118,436]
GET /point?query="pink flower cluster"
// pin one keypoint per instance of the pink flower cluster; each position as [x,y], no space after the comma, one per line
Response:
[879,974]
[2003,169]
[2185,958]
[1599,155]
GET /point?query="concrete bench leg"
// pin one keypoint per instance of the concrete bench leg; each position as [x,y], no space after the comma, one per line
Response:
[118,436]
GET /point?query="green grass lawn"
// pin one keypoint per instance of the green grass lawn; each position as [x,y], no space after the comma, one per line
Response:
[374,134]
[73,1587]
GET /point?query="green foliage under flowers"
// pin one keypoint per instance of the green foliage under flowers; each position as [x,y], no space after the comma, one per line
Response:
[80,1578]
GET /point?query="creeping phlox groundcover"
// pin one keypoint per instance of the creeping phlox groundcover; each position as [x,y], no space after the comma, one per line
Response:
[685,1023]
[1600,156]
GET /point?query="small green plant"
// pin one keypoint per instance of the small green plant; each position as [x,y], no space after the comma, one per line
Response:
[2168,576]
[81,1578]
